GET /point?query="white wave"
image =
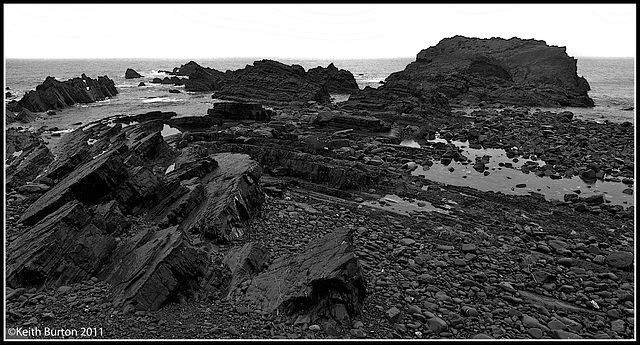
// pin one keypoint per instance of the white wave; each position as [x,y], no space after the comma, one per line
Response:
[91,141]
[17,153]
[162,99]
[154,74]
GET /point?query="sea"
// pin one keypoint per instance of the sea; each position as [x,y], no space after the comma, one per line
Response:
[612,82]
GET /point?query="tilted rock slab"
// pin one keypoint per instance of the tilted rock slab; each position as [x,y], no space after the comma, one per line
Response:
[153,267]
[323,279]
[63,248]
[27,156]
[232,197]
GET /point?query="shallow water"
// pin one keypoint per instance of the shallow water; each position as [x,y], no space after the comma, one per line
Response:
[511,180]
[399,205]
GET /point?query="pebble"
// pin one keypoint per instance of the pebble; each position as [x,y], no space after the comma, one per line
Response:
[231,330]
[534,332]
[407,241]
[482,336]
[437,324]
[394,315]
[620,259]
[618,326]
[556,324]
[565,262]
[560,334]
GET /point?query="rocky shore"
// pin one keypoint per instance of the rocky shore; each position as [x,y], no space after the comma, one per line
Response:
[53,94]
[282,215]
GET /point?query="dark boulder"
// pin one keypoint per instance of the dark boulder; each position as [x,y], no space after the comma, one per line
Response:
[335,80]
[131,74]
[325,281]
[232,197]
[153,268]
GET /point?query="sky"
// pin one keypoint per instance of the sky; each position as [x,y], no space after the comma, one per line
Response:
[339,31]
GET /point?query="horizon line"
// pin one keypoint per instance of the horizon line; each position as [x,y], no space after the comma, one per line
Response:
[260,57]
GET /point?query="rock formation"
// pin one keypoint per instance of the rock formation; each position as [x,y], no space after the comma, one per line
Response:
[325,281]
[116,172]
[268,81]
[131,74]
[27,156]
[237,111]
[466,71]
[336,81]
[53,94]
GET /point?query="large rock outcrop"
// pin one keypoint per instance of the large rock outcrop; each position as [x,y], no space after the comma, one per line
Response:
[53,94]
[269,81]
[324,281]
[467,71]
[120,174]
[335,80]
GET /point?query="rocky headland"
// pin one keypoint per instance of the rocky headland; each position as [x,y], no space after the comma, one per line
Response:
[53,94]
[463,71]
[303,220]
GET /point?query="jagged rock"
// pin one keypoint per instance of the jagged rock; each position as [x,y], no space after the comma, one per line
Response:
[25,116]
[88,184]
[245,262]
[153,268]
[473,71]
[63,248]
[53,94]
[27,157]
[325,275]
[232,196]
[336,81]
[109,217]
[239,111]
[272,82]
[131,74]
[200,78]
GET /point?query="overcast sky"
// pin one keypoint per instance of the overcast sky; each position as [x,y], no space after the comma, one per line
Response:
[303,30]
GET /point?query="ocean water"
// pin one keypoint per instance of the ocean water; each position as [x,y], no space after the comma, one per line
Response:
[611,80]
